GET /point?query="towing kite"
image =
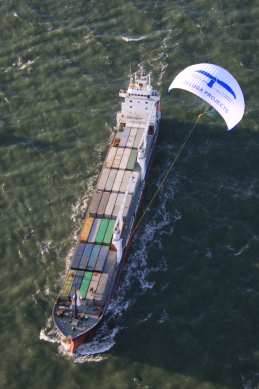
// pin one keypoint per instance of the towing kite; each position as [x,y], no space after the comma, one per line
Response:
[217,87]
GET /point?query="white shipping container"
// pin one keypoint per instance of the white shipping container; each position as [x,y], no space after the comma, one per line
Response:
[110,205]
[103,178]
[125,181]
[110,157]
[117,205]
[110,180]
[117,158]
[118,179]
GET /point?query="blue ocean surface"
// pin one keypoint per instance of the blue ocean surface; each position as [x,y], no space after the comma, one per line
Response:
[186,314]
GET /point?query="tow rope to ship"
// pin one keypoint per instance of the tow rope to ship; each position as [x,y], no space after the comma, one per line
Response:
[165,176]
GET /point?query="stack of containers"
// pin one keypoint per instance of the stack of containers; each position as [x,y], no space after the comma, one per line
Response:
[85,285]
[78,253]
[102,289]
[93,260]
[101,259]
[93,286]
[68,284]
[86,229]
[85,257]
[77,281]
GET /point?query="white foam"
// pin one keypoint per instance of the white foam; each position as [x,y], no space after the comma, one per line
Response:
[79,207]
[49,333]
[164,317]
[146,318]
[44,336]
[138,267]
[22,66]
[45,247]
[92,351]
[133,39]
[244,248]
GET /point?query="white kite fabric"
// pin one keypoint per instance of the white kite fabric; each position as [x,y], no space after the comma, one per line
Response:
[217,87]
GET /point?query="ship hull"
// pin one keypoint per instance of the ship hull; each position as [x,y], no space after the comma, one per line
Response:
[72,344]
[111,218]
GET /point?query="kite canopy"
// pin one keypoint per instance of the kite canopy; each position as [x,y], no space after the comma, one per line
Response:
[217,87]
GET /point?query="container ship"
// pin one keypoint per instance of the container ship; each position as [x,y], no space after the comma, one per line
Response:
[111,214]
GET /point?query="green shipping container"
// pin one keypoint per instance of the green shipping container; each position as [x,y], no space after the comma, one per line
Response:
[132,159]
[109,232]
[85,284]
[101,231]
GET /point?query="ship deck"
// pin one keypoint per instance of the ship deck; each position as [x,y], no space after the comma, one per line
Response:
[111,213]
[93,267]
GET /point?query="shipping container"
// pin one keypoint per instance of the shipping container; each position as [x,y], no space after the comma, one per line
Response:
[101,231]
[117,159]
[103,178]
[117,206]
[110,157]
[94,230]
[68,284]
[117,182]
[131,138]
[86,256]
[103,204]
[132,159]
[93,258]
[77,282]
[86,229]
[94,203]
[78,279]
[101,258]
[138,137]
[110,180]
[102,289]
[111,262]
[125,181]
[110,204]
[78,253]
[124,136]
[85,284]
[124,159]
[93,286]
[109,232]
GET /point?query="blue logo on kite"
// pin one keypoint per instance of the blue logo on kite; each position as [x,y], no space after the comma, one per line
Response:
[214,79]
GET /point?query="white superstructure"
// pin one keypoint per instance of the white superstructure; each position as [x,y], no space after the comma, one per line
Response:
[141,106]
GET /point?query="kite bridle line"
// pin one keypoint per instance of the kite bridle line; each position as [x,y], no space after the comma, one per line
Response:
[165,176]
